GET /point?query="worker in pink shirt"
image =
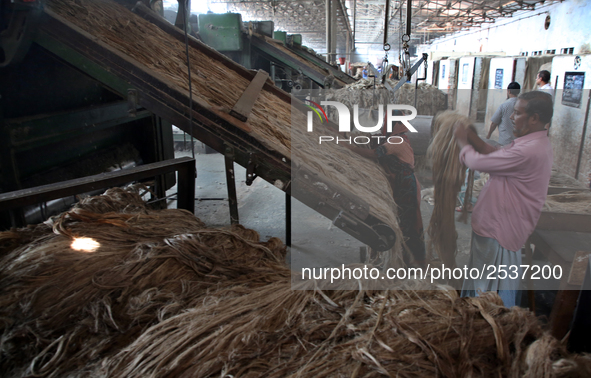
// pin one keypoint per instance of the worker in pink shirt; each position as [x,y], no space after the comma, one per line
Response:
[511,202]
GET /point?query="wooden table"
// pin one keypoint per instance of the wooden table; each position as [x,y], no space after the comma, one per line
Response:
[559,236]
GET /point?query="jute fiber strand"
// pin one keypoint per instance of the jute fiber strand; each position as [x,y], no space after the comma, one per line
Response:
[164,296]
[448,177]
[214,83]
[569,202]
[563,180]
[430,99]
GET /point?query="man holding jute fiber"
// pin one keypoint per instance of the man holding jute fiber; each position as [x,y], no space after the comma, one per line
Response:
[511,202]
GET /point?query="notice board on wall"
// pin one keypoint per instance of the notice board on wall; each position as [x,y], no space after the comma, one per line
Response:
[465,68]
[499,78]
[572,94]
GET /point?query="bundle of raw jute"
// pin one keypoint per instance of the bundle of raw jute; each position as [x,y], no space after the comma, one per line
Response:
[448,177]
[164,296]
[62,307]
[429,99]
[562,180]
[569,202]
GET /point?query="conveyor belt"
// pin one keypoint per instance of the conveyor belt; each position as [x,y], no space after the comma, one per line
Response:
[144,62]
[317,72]
[340,75]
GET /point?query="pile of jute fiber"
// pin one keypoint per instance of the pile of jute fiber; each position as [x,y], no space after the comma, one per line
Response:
[429,99]
[574,201]
[562,180]
[448,177]
[165,296]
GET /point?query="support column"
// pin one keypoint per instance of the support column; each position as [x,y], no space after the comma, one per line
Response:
[231,184]
[328,30]
[347,53]
[354,24]
[334,32]
[287,219]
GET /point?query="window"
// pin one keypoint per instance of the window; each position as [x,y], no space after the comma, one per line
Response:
[536,53]
[523,53]
[551,52]
[567,50]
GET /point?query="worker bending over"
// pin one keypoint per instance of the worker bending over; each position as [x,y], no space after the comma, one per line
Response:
[398,162]
[511,202]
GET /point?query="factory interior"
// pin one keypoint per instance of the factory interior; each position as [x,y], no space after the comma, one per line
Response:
[181,194]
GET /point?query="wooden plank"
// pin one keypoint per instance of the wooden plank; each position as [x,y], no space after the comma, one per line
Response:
[564,243]
[185,166]
[560,248]
[566,298]
[244,105]
[559,189]
[564,222]
[578,268]
[563,309]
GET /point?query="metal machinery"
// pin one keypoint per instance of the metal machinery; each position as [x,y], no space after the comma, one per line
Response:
[77,95]
[257,45]
[60,123]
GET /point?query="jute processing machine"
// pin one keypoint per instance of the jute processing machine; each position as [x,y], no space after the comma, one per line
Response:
[256,45]
[59,123]
[139,62]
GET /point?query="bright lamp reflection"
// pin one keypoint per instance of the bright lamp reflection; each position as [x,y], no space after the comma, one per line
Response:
[85,244]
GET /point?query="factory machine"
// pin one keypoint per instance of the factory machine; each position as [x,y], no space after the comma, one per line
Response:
[257,45]
[59,123]
[73,94]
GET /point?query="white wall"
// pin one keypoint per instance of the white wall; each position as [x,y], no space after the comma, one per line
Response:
[570,26]
[568,122]
[444,71]
[465,80]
